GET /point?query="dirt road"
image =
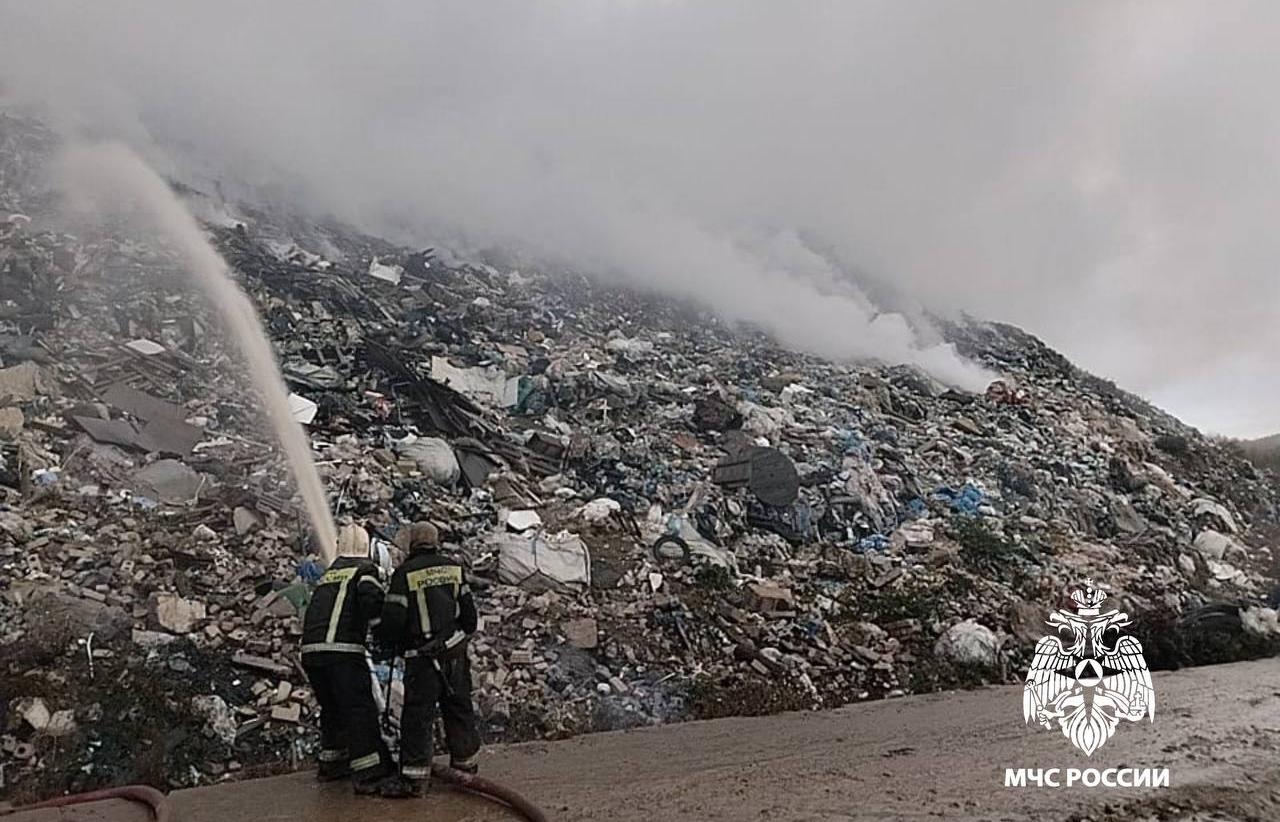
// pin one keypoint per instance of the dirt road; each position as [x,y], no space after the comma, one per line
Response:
[939,756]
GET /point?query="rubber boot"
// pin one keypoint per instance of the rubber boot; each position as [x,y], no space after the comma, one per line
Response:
[399,787]
[471,767]
[368,785]
[333,771]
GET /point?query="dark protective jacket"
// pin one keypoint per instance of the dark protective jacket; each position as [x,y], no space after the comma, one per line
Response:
[428,604]
[344,606]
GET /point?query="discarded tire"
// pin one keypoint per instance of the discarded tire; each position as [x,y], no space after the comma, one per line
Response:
[662,550]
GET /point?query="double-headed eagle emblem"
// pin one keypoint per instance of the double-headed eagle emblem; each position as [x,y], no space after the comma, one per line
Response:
[1082,684]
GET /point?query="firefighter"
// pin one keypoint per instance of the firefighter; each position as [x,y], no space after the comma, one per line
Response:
[344,606]
[429,614]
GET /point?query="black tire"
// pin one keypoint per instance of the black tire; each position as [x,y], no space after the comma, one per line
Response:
[671,539]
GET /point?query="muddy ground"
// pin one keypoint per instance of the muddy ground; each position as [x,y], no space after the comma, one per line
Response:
[940,756]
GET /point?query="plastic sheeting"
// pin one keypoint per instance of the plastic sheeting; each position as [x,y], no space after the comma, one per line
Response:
[486,385]
[966,501]
[434,457]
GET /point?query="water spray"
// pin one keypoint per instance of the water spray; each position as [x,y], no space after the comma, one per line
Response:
[110,176]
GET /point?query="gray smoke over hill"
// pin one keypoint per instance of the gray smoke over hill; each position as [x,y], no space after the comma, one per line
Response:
[1089,171]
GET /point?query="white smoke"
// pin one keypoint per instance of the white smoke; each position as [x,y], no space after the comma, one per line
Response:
[1089,171]
[497,166]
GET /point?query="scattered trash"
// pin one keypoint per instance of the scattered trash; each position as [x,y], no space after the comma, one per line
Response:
[434,457]
[168,480]
[965,501]
[1216,513]
[11,423]
[768,472]
[523,520]
[23,383]
[34,712]
[917,534]
[386,273]
[599,510]
[968,643]
[178,615]
[544,563]
[303,410]
[220,721]
[1215,546]
[487,385]
[147,348]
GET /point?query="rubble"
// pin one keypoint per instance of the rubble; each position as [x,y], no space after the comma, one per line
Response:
[11,423]
[969,643]
[245,520]
[22,383]
[582,633]
[652,506]
[262,664]
[168,480]
[34,712]
[177,615]
[219,720]
[1214,546]
[291,713]
[768,596]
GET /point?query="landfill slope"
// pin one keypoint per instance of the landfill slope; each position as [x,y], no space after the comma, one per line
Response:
[665,517]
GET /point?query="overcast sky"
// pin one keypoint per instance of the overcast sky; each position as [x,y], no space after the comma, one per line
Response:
[1102,174]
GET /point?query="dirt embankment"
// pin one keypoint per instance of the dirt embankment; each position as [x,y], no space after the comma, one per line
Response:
[942,756]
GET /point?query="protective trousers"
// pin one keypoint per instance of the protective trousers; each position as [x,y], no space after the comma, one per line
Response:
[348,715]
[427,687]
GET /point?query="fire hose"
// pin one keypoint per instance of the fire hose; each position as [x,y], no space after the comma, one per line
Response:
[162,810]
[470,783]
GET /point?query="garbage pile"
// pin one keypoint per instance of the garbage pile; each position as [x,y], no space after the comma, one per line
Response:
[663,516]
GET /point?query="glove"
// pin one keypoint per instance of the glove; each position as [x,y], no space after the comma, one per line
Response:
[434,648]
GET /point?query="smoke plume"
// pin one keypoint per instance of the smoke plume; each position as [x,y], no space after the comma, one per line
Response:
[1094,171]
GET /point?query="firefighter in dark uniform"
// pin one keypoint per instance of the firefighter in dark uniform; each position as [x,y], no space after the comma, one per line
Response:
[344,606]
[429,614]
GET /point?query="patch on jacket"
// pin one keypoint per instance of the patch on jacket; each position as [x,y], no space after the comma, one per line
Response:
[431,577]
[337,575]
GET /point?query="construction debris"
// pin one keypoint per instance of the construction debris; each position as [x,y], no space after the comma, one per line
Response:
[969,643]
[11,423]
[582,633]
[177,615]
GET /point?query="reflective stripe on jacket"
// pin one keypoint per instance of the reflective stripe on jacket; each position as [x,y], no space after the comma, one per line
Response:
[428,598]
[344,606]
